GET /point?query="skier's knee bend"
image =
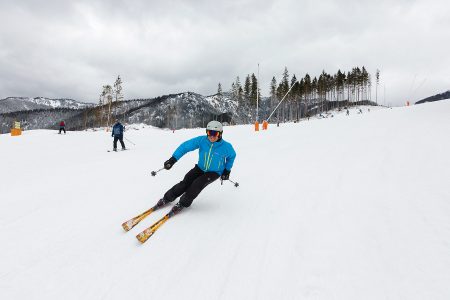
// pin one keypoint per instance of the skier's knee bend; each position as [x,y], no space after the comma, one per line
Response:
[186,201]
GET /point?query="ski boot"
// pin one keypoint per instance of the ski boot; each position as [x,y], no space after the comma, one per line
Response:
[161,203]
[176,209]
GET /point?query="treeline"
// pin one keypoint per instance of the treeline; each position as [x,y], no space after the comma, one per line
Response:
[303,96]
[38,118]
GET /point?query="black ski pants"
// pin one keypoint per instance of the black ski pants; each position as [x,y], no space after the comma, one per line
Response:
[120,138]
[193,183]
[61,129]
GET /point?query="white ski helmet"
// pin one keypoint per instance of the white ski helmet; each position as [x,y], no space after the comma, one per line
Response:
[214,125]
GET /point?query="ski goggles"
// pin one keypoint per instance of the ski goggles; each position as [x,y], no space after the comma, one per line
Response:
[213,133]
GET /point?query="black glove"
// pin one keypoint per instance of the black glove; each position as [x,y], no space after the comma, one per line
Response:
[225,175]
[169,163]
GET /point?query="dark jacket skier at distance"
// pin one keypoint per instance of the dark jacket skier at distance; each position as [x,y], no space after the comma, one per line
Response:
[117,133]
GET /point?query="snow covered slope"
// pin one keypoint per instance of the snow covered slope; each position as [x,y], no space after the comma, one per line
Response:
[350,207]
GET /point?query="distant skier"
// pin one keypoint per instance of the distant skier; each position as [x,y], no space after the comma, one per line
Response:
[62,126]
[216,158]
[347,113]
[117,133]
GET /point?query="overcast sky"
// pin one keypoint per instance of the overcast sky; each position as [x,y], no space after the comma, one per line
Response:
[70,49]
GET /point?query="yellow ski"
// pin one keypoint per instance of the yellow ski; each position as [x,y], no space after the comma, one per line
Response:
[127,225]
[147,233]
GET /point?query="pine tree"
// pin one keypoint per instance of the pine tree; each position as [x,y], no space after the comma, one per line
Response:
[118,89]
[301,96]
[239,92]
[349,83]
[247,89]
[358,82]
[219,93]
[321,88]
[293,96]
[283,87]
[273,93]
[233,92]
[294,88]
[101,108]
[254,90]
[240,95]
[314,90]
[340,81]
[307,91]
[365,83]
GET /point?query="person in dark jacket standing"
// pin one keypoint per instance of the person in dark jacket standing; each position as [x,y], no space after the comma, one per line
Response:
[216,158]
[117,133]
[62,126]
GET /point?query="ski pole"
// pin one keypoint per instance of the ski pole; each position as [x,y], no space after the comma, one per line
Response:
[234,183]
[129,141]
[154,172]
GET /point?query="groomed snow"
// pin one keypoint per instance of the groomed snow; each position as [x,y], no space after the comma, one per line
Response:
[353,207]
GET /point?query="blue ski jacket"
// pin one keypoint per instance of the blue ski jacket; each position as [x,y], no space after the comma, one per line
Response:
[212,157]
[117,129]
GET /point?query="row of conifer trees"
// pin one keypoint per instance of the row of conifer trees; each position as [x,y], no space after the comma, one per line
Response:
[341,88]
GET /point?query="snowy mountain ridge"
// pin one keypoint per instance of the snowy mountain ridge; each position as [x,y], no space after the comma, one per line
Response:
[12,104]
[437,97]
[180,110]
[222,103]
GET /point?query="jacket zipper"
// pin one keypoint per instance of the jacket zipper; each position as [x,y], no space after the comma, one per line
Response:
[208,161]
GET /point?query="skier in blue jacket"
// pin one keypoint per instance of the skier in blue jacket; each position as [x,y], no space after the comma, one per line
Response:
[215,160]
[117,133]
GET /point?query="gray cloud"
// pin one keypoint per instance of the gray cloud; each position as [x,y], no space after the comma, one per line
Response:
[72,48]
